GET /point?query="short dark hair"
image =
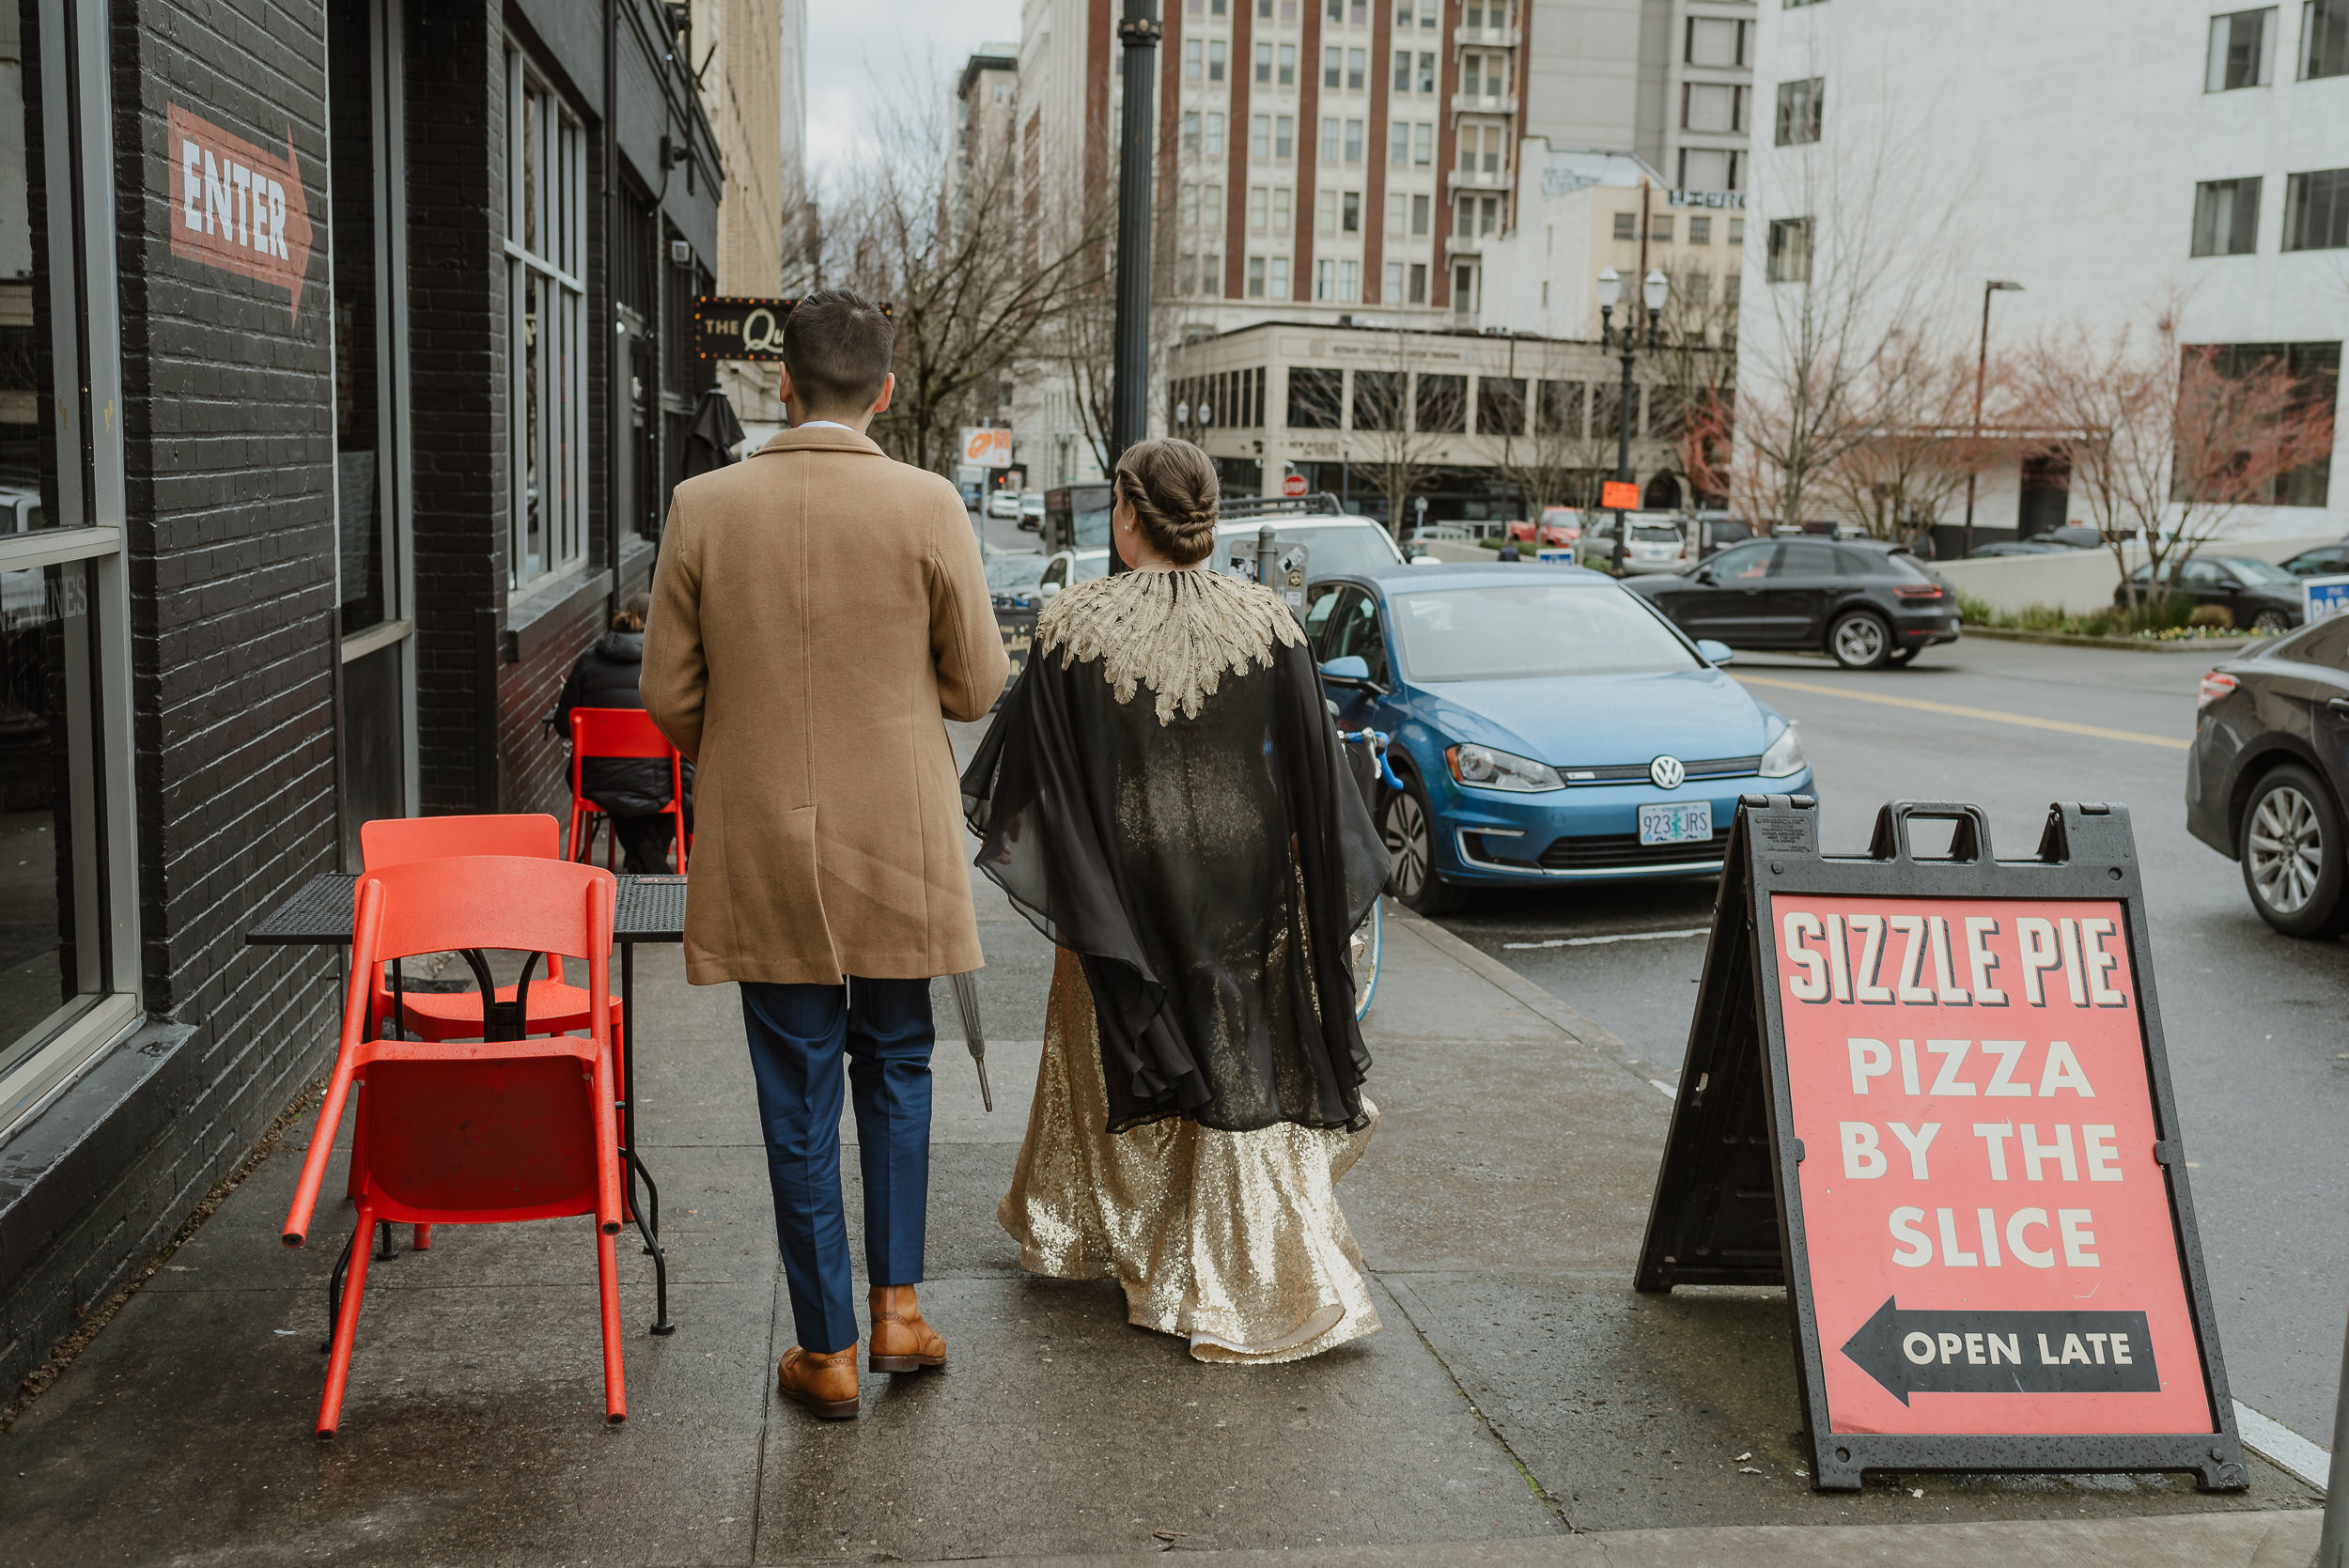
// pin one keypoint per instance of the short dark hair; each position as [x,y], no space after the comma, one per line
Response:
[837,347]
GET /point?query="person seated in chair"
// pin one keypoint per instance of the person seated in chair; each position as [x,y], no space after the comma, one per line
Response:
[631,791]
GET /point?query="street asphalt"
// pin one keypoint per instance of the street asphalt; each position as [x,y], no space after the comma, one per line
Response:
[2260,1059]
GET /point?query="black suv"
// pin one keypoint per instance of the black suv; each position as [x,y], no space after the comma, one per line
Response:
[2256,595]
[2266,781]
[1865,602]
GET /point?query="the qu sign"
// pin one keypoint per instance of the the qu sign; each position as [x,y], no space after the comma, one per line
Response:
[239,206]
[730,327]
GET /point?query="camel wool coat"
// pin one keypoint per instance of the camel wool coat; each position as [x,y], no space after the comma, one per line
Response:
[818,610]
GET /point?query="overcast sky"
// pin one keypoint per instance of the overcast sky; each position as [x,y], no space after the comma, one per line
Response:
[859,48]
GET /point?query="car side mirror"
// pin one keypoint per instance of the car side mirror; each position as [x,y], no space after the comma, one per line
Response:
[1713,652]
[1046,590]
[1346,670]
[1704,575]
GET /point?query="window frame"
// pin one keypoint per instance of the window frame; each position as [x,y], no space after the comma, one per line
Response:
[86,355]
[2332,18]
[562,375]
[2242,229]
[2217,59]
[1775,267]
[2296,224]
[1801,111]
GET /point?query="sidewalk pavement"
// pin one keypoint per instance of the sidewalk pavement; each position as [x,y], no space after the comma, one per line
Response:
[1521,1407]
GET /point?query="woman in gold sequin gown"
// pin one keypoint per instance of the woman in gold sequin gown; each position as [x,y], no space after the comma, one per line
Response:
[1163,795]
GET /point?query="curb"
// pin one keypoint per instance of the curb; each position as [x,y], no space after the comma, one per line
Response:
[2130,644]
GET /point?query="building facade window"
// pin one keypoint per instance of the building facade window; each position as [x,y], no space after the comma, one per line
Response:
[546,251]
[1419,283]
[2314,371]
[1350,282]
[1329,141]
[1706,168]
[1326,211]
[1700,229]
[1716,41]
[1500,406]
[1426,70]
[1357,70]
[69,985]
[1660,228]
[1392,292]
[1215,59]
[1190,55]
[1280,210]
[1288,64]
[1255,277]
[1397,205]
[1398,144]
[2242,51]
[1260,136]
[1333,67]
[1422,207]
[2324,38]
[1325,280]
[1800,108]
[1316,397]
[2226,217]
[1263,63]
[1716,107]
[1284,136]
[1626,226]
[1353,140]
[1350,212]
[1215,134]
[1280,271]
[1789,257]
[1441,404]
[2316,210]
[1422,146]
[1259,208]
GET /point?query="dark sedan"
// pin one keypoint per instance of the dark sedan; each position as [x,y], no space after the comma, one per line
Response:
[1866,603]
[2330,560]
[2265,782]
[2257,595]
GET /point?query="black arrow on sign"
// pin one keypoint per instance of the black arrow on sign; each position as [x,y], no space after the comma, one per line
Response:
[1980,1352]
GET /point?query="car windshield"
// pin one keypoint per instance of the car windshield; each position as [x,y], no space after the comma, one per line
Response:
[1335,547]
[1012,574]
[1522,631]
[2250,570]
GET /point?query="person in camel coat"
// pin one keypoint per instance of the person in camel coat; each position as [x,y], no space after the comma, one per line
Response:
[818,610]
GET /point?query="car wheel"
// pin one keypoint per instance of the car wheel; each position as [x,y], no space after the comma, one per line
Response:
[2292,851]
[1409,829]
[1904,656]
[1859,641]
[2271,622]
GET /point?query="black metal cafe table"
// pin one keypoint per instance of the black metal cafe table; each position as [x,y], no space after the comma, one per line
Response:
[648,910]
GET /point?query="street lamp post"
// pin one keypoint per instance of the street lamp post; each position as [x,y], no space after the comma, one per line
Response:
[1982,366]
[1653,289]
[1130,380]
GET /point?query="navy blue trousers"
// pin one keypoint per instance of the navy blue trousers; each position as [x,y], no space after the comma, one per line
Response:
[796,1036]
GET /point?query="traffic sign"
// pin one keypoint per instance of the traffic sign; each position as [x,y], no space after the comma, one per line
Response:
[1619,495]
[2322,595]
[1928,1096]
[1293,484]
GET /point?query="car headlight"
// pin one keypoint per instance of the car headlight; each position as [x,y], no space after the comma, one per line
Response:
[1487,768]
[1783,757]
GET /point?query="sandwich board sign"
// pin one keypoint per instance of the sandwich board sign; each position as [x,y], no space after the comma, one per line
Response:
[1928,1096]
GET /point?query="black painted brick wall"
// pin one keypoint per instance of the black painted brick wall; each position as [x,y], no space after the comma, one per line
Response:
[226,424]
[456,93]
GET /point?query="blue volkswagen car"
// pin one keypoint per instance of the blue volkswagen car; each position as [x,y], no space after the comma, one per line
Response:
[1548,725]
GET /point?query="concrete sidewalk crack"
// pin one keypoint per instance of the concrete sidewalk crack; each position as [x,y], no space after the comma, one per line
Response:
[1492,1428]
[766,1420]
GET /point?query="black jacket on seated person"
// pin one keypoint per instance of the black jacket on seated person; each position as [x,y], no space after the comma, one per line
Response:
[605,676]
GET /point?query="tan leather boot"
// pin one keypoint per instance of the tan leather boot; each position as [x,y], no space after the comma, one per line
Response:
[826,1384]
[901,1341]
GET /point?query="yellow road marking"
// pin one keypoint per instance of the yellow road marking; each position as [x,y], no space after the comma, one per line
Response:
[1993,715]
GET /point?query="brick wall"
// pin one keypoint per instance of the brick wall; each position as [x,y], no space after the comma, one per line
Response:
[456,103]
[226,421]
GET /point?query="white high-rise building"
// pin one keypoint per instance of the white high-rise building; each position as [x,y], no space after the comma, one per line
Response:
[2107,156]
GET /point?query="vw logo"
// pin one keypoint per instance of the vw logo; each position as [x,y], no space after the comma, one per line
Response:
[1667,772]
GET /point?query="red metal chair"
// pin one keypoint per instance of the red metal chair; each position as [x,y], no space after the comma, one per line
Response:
[487,1133]
[557,1006]
[620,732]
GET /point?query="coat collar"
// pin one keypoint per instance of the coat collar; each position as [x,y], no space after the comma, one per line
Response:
[823,437]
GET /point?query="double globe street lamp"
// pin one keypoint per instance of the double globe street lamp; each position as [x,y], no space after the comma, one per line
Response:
[1654,289]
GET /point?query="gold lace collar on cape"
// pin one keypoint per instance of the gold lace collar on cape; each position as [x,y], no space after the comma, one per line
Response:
[1174,631]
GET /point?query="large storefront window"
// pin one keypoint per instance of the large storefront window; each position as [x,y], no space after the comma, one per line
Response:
[546,249]
[67,950]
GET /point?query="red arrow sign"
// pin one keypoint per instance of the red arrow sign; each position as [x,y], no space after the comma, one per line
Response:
[239,206]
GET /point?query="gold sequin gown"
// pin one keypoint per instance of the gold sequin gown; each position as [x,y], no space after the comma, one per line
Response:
[1232,1240]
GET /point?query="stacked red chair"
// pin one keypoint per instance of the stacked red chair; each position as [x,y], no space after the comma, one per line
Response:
[493,1131]
[620,732]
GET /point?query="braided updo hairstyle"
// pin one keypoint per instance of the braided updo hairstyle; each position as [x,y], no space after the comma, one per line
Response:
[1170,486]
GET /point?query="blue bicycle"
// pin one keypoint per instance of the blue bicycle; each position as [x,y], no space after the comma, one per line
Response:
[1367,944]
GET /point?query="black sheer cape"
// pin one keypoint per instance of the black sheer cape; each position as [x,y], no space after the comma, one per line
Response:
[1202,846]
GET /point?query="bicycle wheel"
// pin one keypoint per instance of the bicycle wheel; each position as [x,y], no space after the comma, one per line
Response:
[1364,950]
